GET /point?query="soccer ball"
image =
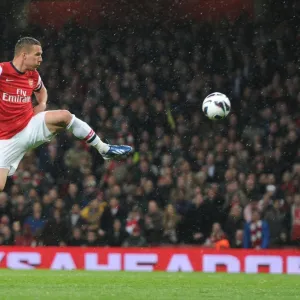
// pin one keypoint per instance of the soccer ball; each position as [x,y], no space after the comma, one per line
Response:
[216,106]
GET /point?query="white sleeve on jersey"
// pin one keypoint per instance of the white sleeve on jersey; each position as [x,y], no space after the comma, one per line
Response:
[0,70]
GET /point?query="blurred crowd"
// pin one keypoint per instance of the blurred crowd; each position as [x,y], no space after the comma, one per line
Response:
[231,183]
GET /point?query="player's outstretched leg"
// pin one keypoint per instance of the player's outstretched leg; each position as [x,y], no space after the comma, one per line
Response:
[58,120]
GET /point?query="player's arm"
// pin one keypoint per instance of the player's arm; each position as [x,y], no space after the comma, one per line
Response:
[41,97]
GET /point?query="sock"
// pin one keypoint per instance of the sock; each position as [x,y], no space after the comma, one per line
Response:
[84,132]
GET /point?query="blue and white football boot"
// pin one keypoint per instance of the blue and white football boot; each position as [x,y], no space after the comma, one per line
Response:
[117,151]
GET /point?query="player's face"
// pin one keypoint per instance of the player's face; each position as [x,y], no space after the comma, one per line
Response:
[33,57]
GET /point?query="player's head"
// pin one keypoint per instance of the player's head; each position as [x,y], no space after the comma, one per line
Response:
[29,50]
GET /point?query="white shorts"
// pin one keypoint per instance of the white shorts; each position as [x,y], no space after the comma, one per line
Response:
[33,135]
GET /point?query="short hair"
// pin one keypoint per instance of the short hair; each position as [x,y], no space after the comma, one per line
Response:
[25,42]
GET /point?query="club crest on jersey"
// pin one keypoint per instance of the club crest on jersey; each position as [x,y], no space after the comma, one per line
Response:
[30,81]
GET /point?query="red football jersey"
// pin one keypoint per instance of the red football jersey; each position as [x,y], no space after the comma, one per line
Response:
[16,90]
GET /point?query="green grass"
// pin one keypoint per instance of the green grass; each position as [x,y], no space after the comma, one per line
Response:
[74,285]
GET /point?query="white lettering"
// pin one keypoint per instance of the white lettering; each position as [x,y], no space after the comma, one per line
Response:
[113,262]
[274,262]
[23,260]
[211,261]
[21,92]
[139,262]
[15,99]
[293,265]
[180,262]
[63,261]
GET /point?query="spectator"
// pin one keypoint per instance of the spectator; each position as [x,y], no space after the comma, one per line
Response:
[253,205]
[287,185]
[211,169]
[35,221]
[170,221]
[4,221]
[73,196]
[112,212]
[256,232]
[76,238]
[217,204]
[180,196]
[238,239]
[74,219]
[217,238]
[5,205]
[92,240]
[58,205]
[234,223]
[16,227]
[52,162]
[24,238]
[153,224]
[47,204]
[134,219]
[55,232]
[292,221]
[92,213]
[135,239]
[75,156]
[117,236]
[274,216]
[20,210]
[89,189]
[198,221]
[8,238]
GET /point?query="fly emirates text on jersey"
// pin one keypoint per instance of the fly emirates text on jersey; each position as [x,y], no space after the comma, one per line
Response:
[21,97]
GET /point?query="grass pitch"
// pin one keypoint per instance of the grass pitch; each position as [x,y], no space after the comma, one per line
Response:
[60,285]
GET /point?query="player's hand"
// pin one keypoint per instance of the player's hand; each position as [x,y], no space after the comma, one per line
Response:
[39,108]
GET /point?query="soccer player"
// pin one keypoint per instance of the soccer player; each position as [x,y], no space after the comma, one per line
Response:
[22,126]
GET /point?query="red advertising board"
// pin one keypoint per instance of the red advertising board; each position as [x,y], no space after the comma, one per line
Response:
[151,259]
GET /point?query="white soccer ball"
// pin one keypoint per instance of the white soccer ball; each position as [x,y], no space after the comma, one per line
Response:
[216,106]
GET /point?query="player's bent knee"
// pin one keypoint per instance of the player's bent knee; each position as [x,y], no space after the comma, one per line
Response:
[58,120]
[66,117]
